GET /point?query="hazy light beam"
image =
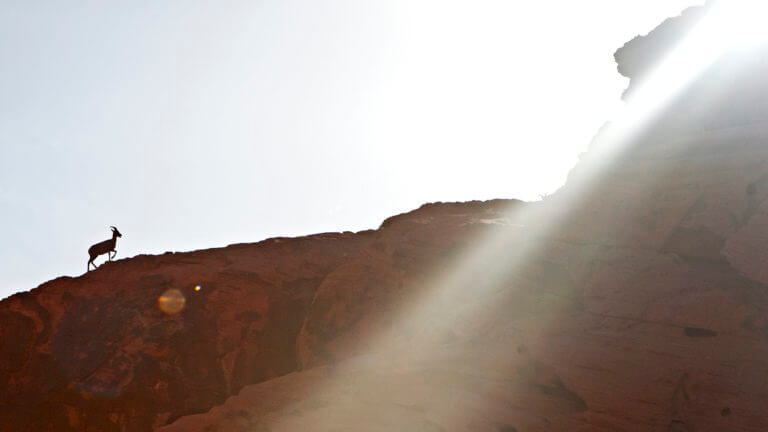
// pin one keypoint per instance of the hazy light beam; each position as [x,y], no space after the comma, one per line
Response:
[725,25]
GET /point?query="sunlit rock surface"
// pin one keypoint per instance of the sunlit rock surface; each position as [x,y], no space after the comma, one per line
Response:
[633,299]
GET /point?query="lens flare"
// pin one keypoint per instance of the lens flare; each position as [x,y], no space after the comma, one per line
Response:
[171,302]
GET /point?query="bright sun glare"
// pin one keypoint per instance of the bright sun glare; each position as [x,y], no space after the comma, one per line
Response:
[740,21]
[727,25]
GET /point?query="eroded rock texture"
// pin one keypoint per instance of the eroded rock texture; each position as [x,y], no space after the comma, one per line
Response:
[633,299]
[96,352]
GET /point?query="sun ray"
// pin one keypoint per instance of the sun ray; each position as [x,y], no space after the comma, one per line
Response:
[505,251]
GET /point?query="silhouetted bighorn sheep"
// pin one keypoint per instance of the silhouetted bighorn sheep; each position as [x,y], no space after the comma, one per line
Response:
[104,247]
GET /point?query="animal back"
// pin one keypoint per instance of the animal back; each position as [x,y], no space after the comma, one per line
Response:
[101,247]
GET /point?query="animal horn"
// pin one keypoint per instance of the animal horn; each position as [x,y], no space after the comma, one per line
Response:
[112,227]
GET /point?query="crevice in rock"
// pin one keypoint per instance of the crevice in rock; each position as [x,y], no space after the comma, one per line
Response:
[558,390]
[697,332]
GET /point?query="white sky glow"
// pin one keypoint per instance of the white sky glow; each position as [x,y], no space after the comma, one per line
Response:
[191,125]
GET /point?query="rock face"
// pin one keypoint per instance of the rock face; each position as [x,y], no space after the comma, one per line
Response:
[633,299]
[97,353]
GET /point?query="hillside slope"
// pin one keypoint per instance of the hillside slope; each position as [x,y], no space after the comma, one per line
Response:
[96,352]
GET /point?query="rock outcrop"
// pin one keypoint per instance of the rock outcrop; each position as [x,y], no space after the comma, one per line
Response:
[98,352]
[633,299]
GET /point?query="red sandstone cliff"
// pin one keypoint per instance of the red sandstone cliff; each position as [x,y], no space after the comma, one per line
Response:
[96,353]
[633,299]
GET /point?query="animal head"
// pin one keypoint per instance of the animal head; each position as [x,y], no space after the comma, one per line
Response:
[116,232]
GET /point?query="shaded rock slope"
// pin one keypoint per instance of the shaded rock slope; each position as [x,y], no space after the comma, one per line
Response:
[97,353]
[633,299]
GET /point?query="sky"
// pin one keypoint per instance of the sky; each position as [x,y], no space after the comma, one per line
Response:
[196,124]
